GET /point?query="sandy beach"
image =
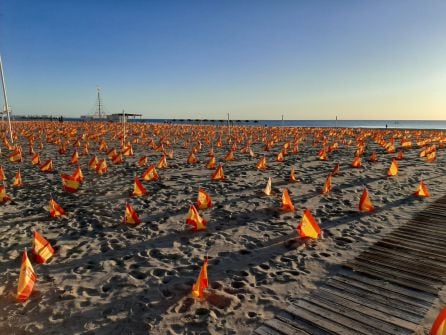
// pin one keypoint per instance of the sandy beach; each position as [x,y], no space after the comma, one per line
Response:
[107,277]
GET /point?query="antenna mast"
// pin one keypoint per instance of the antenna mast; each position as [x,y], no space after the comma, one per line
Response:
[6,110]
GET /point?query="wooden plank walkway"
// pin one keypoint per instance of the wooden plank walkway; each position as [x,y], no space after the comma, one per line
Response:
[387,289]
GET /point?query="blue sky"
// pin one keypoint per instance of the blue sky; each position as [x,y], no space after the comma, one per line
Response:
[253,59]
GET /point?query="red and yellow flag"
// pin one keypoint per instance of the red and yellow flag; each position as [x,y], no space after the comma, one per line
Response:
[27,279]
[93,164]
[16,156]
[150,174]
[202,281]
[192,159]
[35,160]
[101,168]
[17,180]
[393,169]
[422,190]
[268,188]
[287,205]
[218,173]
[74,157]
[211,163]
[2,174]
[279,157]
[261,164]
[365,204]
[335,169]
[439,326]
[78,175]
[142,161]
[55,209]
[357,162]
[70,183]
[308,226]
[229,156]
[195,220]
[138,188]
[204,200]
[42,249]
[431,156]
[162,163]
[373,157]
[47,166]
[293,178]
[327,185]
[130,216]
[3,196]
[117,159]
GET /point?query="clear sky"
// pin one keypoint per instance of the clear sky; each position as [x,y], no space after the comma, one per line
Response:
[376,59]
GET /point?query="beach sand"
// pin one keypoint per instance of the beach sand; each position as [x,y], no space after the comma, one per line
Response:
[110,278]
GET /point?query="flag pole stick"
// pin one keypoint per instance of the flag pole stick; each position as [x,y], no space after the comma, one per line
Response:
[5,98]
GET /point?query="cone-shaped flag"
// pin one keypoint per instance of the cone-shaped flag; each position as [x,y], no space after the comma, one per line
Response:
[195,220]
[142,161]
[192,159]
[287,205]
[47,166]
[211,163]
[93,164]
[431,156]
[267,189]
[150,174]
[17,181]
[74,157]
[439,326]
[218,173]
[422,190]
[16,156]
[229,156]
[2,174]
[130,215]
[42,249]
[335,169]
[373,157]
[70,183]
[3,196]
[35,160]
[78,175]
[162,163]
[292,175]
[400,155]
[365,204]
[202,281]
[27,279]
[357,162]
[322,155]
[55,209]
[279,157]
[117,159]
[138,188]
[393,169]
[261,164]
[102,167]
[308,226]
[203,200]
[327,185]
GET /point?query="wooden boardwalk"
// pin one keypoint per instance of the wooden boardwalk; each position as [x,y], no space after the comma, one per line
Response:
[387,289]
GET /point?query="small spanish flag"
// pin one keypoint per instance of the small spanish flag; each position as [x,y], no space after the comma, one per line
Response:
[335,169]
[16,156]
[27,279]
[142,161]
[138,188]
[204,200]
[195,220]
[287,205]
[192,159]
[74,157]
[327,185]
[17,181]
[102,167]
[70,183]
[162,163]
[261,164]
[117,159]
[422,190]
[292,175]
[3,196]
[55,209]
[439,326]
[42,249]
[211,163]
[150,174]
[35,160]
[229,156]
[2,174]
[78,175]
[393,169]
[47,166]
[365,204]
[218,173]
[373,157]
[202,281]
[267,189]
[279,157]
[130,216]
[357,162]
[93,164]
[308,226]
